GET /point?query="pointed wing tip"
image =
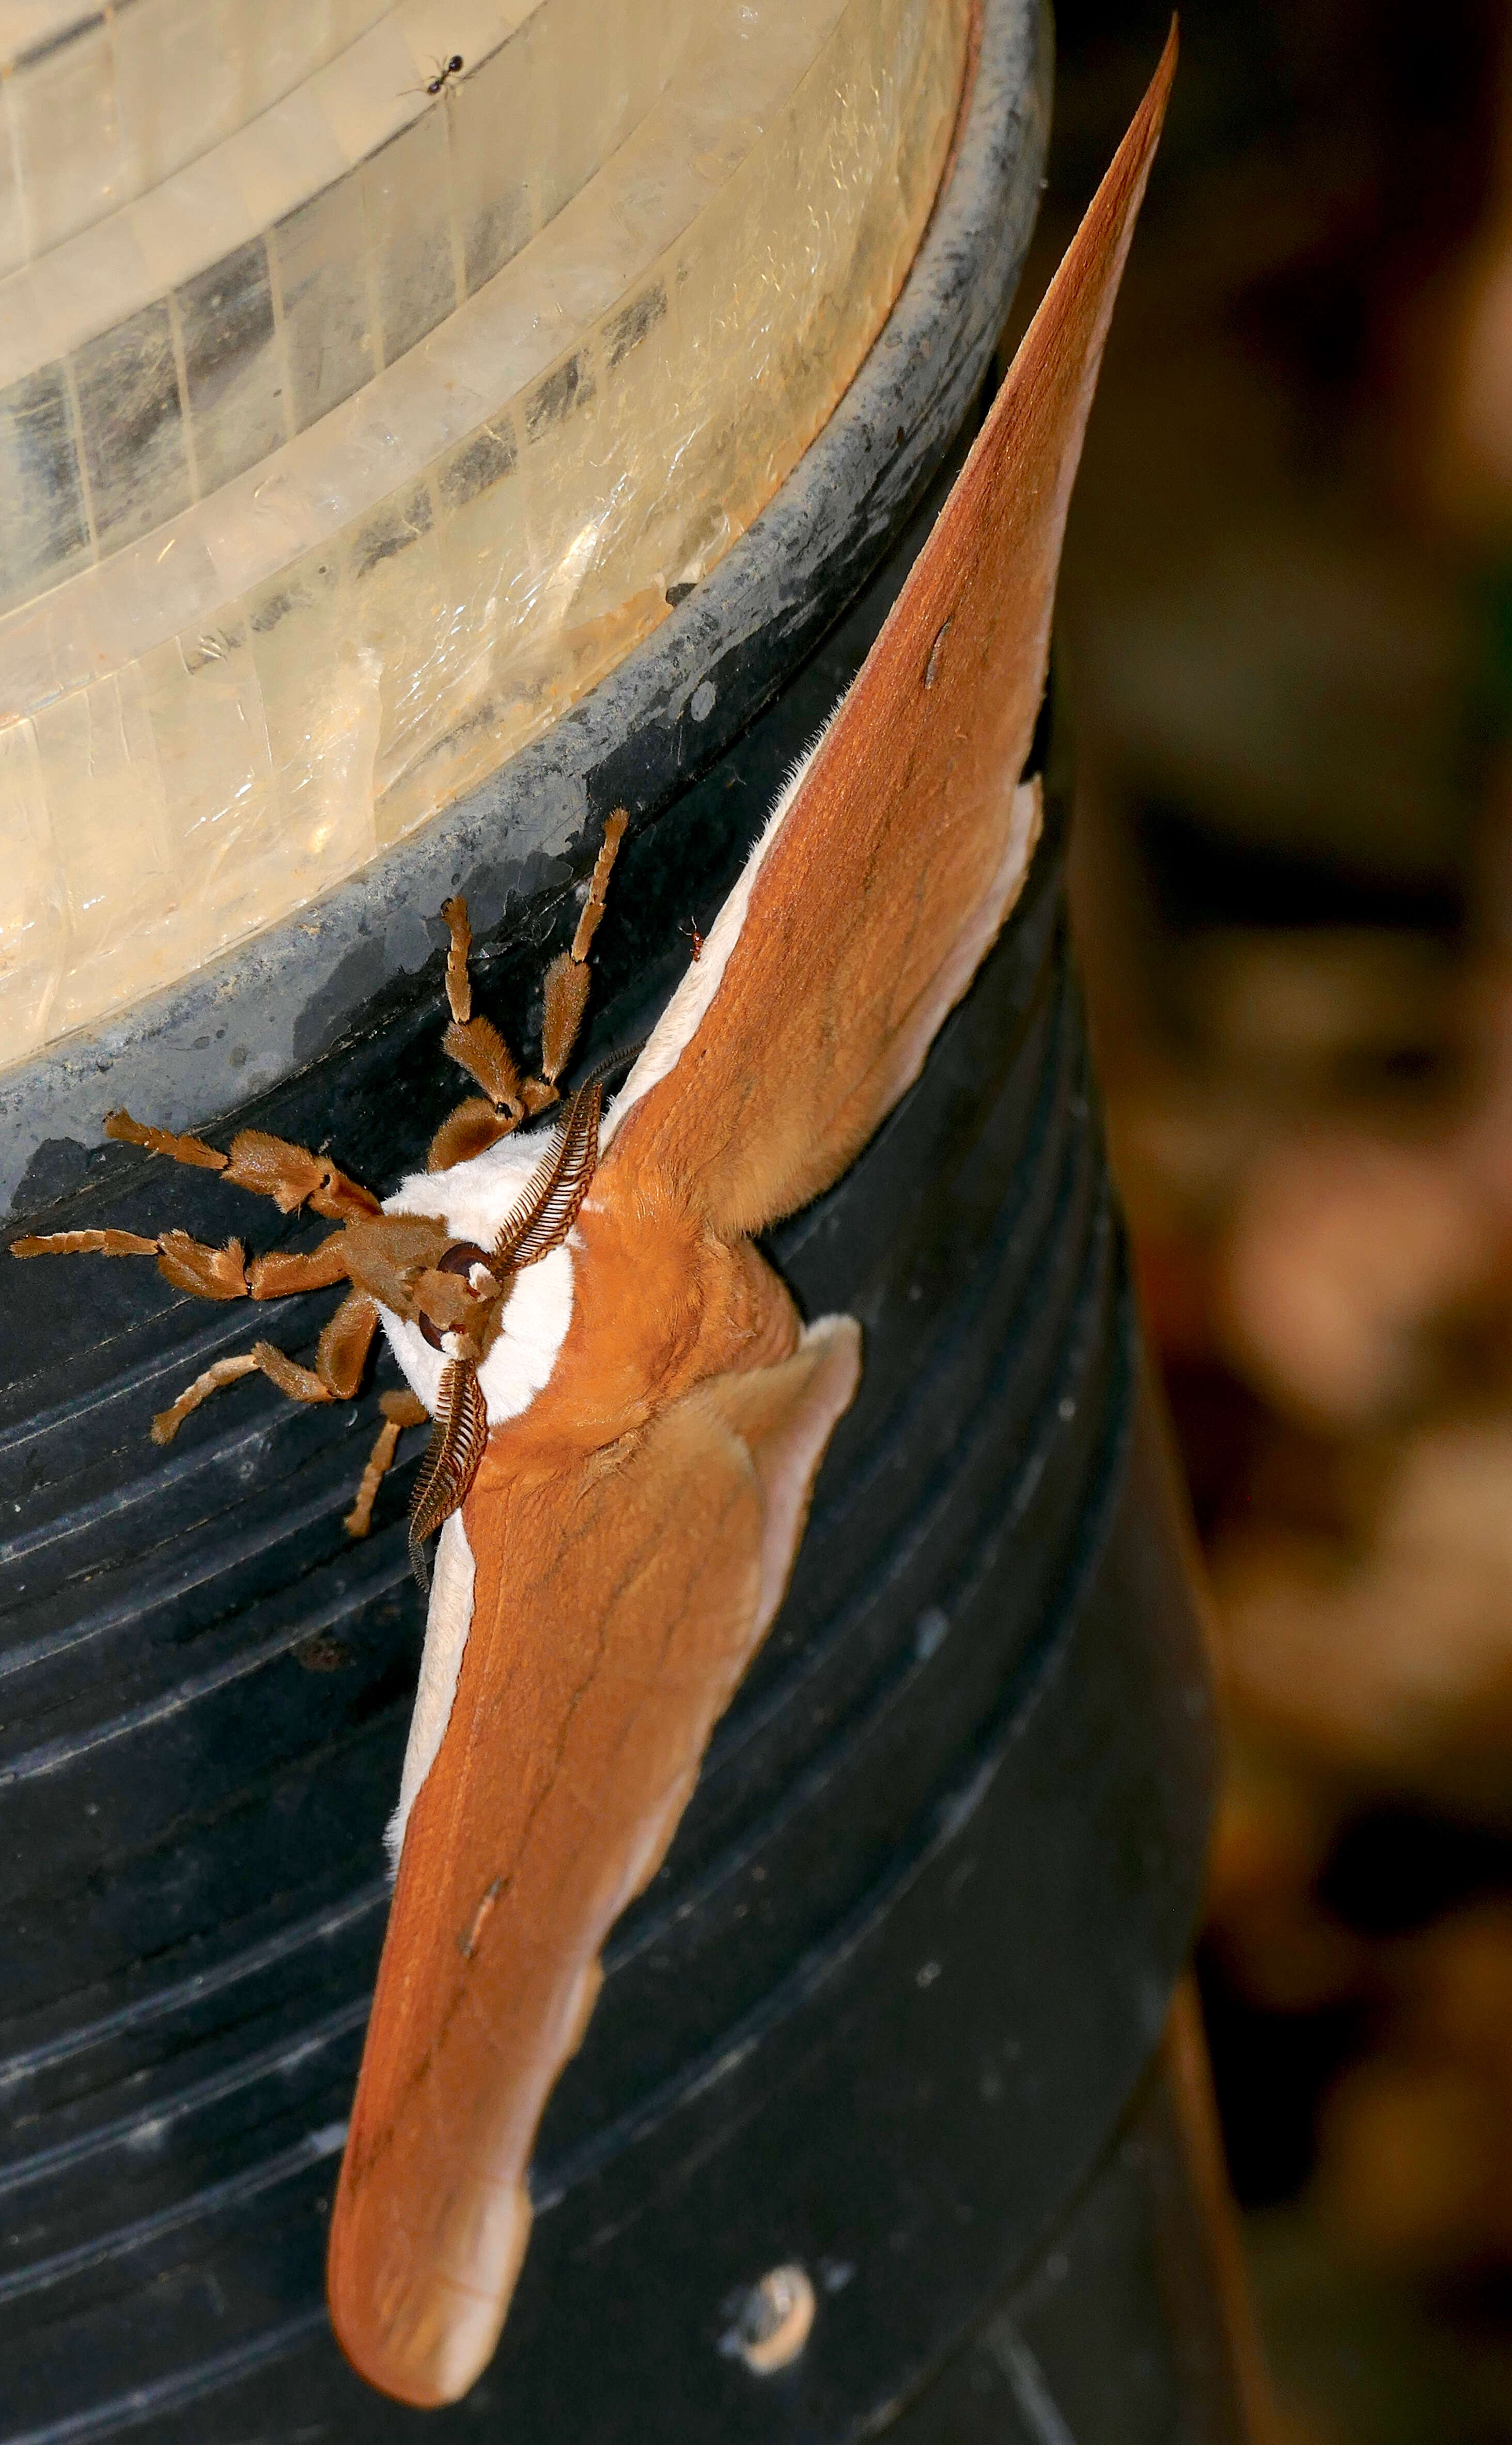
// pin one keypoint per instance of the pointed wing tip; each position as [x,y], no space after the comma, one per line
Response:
[1121,187]
[1130,163]
[1151,111]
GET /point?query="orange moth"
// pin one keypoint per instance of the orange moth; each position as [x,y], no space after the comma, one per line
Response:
[630,1412]
[631,1529]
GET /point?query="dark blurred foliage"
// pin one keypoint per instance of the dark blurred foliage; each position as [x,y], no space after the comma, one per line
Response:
[1287,620]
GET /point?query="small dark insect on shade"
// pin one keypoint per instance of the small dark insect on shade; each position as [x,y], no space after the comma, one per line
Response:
[452,67]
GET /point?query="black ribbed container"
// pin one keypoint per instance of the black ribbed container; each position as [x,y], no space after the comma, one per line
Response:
[890,2008]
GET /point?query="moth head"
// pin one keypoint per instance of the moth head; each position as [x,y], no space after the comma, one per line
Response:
[458,1301]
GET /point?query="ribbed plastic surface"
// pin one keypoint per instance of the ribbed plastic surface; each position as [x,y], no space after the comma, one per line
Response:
[913,1942]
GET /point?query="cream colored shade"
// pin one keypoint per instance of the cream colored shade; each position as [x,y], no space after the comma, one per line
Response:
[208,727]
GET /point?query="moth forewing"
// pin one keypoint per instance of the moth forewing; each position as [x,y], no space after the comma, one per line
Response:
[868,905]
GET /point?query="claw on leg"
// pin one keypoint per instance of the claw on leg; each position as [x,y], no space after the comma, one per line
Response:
[401,1409]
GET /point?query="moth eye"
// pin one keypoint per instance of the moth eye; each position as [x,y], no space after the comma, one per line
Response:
[466,1258]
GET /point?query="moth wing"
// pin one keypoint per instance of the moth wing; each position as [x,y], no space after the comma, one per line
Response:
[613,1618]
[867,911]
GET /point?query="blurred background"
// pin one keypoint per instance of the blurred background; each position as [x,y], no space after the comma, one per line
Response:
[1287,626]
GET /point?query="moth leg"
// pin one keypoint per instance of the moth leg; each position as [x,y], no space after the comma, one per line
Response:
[84,1243]
[209,1273]
[477,1046]
[224,1274]
[270,1167]
[401,1409]
[342,1352]
[293,1176]
[467,1132]
[300,1383]
[335,1377]
[225,1370]
[567,979]
[459,976]
[281,1277]
[177,1148]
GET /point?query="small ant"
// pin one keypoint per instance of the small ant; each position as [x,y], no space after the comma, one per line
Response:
[694,940]
[444,73]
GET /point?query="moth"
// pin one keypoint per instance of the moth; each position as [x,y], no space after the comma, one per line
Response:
[628,1412]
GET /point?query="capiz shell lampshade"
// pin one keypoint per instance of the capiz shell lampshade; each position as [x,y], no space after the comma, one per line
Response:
[339,463]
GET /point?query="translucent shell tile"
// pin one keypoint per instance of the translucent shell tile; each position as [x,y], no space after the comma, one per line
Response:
[103,103]
[34,935]
[244,705]
[192,329]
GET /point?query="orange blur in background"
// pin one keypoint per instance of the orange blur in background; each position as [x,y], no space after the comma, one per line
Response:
[1286,624]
